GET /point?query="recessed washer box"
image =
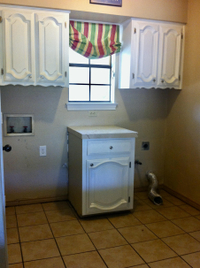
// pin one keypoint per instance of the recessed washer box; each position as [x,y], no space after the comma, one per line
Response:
[18,124]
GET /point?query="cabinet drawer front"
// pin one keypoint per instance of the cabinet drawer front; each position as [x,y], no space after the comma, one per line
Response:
[109,146]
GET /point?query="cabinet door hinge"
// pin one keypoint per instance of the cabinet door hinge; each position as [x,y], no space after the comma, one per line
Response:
[179,77]
[129,199]
[130,164]
[134,30]
[65,74]
[133,75]
[1,19]
[181,35]
[2,71]
[65,24]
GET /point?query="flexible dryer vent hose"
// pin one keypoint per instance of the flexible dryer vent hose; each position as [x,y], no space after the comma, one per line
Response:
[153,185]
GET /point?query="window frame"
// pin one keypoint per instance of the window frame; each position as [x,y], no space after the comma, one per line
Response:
[90,66]
[98,105]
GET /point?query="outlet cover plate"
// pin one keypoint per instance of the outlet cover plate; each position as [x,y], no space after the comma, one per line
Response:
[93,113]
[43,150]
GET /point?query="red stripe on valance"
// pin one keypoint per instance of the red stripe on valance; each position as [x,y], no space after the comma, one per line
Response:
[94,40]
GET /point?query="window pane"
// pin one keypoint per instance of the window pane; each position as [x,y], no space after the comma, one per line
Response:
[102,61]
[100,93]
[75,57]
[100,76]
[78,75]
[78,93]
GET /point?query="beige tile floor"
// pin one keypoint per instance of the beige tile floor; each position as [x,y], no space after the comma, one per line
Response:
[51,235]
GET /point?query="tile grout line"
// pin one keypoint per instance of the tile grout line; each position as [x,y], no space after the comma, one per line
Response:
[127,240]
[23,262]
[170,259]
[185,260]
[178,235]
[175,235]
[53,236]
[183,229]
[91,241]
[20,242]
[170,220]
[158,238]
[161,239]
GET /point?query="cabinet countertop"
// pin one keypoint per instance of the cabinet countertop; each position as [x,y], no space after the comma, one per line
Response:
[101,132]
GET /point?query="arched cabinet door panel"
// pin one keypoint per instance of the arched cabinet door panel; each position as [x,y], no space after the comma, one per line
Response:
[18,47]
[170,56]
[108,183]
[52,54]
[145,63]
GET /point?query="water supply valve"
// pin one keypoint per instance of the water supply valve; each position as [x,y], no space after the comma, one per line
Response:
[137,162]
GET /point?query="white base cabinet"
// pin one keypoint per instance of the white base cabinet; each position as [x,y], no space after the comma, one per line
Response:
[152,55]
[101,170]
[33,47]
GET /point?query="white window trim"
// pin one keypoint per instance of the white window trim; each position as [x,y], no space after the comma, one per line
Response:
[97,106]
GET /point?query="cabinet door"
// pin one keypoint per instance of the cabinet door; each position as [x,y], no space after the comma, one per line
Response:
[170,54]
[18,48]
[52,54]
[145,54]
[107,185]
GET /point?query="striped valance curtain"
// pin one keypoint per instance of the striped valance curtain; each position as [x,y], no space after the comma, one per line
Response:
[94,40]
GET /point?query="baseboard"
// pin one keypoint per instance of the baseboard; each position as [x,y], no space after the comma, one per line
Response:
[146,188]
[141,189]
[181,197]
[35,201]
[61,198]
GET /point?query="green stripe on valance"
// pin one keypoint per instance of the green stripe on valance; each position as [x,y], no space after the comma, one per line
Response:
[94,40]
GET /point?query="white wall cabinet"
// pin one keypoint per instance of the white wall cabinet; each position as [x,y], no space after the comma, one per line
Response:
[34,47]
[152,55]
[101,169]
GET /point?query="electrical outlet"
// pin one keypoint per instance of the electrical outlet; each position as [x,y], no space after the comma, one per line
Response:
[145,145]
[93,113]
[43,150]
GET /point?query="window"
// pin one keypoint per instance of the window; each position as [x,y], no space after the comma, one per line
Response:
[92,65]
[91,82]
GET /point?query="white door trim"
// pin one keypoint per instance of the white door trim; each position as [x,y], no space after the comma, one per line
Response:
[3,237]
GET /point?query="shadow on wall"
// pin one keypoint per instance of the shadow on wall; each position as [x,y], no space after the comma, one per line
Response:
[27,175]
[41,101]
[149,104]
[63,171]
[147,111]
[172,97]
